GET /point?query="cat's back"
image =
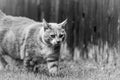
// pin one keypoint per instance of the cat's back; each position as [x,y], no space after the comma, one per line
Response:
[15,22]
[19,26]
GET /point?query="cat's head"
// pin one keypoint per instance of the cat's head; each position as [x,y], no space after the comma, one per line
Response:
[54,33]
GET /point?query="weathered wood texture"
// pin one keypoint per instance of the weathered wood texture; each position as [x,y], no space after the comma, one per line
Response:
[89,21]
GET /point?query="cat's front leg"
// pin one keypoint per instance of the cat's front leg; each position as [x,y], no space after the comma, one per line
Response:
[53,68]
[52,64]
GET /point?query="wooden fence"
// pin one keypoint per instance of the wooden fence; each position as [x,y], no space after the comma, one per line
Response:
[89,21]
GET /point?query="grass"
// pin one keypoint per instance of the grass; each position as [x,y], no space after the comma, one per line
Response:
[105,67]
[68,71]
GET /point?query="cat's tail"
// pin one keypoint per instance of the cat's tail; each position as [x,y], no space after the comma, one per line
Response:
[2,14]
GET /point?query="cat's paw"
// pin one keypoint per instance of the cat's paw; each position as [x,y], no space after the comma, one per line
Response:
[26,63]
[53,71]
[29,63]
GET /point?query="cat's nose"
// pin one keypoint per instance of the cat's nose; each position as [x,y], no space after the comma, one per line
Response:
[58,42]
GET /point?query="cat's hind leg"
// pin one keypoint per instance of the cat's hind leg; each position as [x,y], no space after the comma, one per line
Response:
[3,63]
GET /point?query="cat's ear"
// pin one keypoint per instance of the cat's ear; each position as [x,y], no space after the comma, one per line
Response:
[62,24]
[45,24]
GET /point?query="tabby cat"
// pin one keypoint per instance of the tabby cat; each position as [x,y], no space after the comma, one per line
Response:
[22,37]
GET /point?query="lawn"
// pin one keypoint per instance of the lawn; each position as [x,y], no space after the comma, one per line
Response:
[81,70]
[103,64]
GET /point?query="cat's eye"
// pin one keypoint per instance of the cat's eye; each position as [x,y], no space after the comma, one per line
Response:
[61,35]
[52,35]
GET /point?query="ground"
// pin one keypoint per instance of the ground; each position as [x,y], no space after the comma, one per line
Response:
[103,63]
[80,70]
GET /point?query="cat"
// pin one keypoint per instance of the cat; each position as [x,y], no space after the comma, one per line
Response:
[23,38]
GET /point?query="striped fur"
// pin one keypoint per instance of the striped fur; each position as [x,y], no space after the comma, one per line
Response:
[21,37]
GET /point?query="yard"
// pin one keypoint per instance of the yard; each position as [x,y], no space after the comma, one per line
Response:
[68,70]
[89,22]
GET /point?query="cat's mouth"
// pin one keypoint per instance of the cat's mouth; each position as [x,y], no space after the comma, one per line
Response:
[56,43]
